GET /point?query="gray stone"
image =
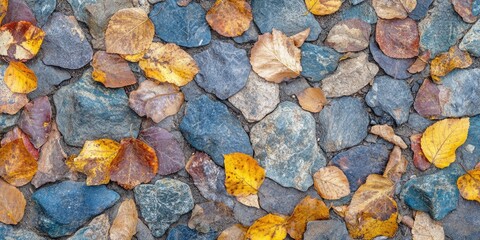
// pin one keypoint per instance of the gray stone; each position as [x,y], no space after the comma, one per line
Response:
[97,229]
[318,61]
[8,232]
[355,2]
[326,230]
[7,121]
[471,40]
[224,69]
[247,215]
[143,233]
[285,145]
[182,232]
[463,223]
[420,10]
[293,87]
[342,124]
[469,153]
[47,77]
[251,35]
[162,203]
[42,9]
[418,123]
[364,12]
[79,10]
[396,68]
[192,90]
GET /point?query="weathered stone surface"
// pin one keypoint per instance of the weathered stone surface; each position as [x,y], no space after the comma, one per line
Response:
[143,233]
[364,12]
[342,124]
[396,68]
[390,96]
[63,207]
[420,10]
[86,110]
[247,215]
[8,232]
[182,232]
[97,229]
[65,45]
[418,123]
[224,69]
[471,40]
[398,38]
[288,16]
[463,223]
[469,153]
[318,61]
[349,35]
[7,121]
[211,217]
[191,91]
[42,9]
[79,10]
[285,145]
[185,26]
[326,229]
[257,99]
[360,161]
[162,203]
[209,127]
[293,87]
[464,9]
[476,7]
[251,35]
[18,10]
[47,77]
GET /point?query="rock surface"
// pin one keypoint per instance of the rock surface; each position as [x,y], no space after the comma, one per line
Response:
[8,232]
[469,153]
[251,35]
[418,123]
[97,229]
[42,9]
[318,61]
[396,68]
[420,10]
[7,121]
[471,40]
[182,232]
[398,38]
[78,7]
[463,223]
[47,77]
[247,215]
[211,217]
[326,229]
[349,35]
[364,12]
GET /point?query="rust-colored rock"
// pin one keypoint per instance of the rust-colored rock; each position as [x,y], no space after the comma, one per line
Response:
[350,35]
[398,38]
[420,63]
[427,103]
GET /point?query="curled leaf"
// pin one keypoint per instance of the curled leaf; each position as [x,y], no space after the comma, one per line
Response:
[19,78]
[12,204]
[20,41]
[331,183]
[307,210]
[323,7]
[17,166]
[268,227]
[469,185]
[111,70]
[312,99]
[230,18]
[386,132]
[446,62]
[124,225]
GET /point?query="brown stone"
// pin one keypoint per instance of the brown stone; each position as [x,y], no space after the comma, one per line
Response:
[350,35]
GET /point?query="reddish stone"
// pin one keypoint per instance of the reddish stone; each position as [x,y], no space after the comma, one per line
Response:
[398,38]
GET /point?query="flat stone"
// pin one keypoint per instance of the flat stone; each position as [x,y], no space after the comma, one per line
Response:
[364,12]
[8,121]
[79,10]
[396,68]
[420,10]
[390,96]
[211,217]
[464,9]
[8,232]
[247,215]
[87,110]
[191,91]
[143,233]
[469,153]
[64,207]
[185,26]
[48,77]
[42,9]
[65,45]
[342,124]
[318,61]
[224,69]
[97,229]
[285,145]
[360,161]
[251,35]
[288,16]
[418,123]
[326,229]
[471,40]
[463,223]
[209,127]
[162,203]
[182,232]
[257,99]
[349,35]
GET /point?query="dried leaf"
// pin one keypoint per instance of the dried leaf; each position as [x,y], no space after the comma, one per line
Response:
[19,78]
[391,9]
[36,120]
[386,132]
[17,166]
[396,166]
[331,183]
[11,102]
[299,38]
[275,57]
[307,210]
[135,163]
[20,41]
[419,159]
[444,63]
[420,63]
[17,133]
[312,99]
[236,231]
[12,204]
[441,140]
[323,7]
[340,210]
[129,31]
[134,57]
[268,227]
[124,225]
[3,9]
[469,185]
[398,38]
[425,228]
[230,18]
[250,200]
[112,70]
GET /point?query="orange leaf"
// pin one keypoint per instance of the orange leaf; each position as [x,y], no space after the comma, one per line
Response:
[3,9]
[20,41]
[12,204]
[307,210]
[17,166]
[230,18]
[312,99]
[19,78]
[446,62]
[112,70]
[331,183]
[124,225]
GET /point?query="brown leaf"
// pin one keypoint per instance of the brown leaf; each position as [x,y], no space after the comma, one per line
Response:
[391,9]
[10,102]
[17,166]
[307,210]
[12,204]
[236,231]
[427,102]
[20,41]
[386,132]
[230,18]
[340,210]
[299,38]
[464,9]
[419,160]
[398,38]
[425,228]
[124,225]
[36,119]
[331,183]
[396,166]
[312,99]
[17,133]
[112,70]
[444,63]
[350,35]
[420,63]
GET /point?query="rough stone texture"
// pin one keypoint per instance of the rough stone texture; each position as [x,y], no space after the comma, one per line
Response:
[7,121]
[42,9]
[471,40]
[318,61]
[47,77]
[65,45]
[396,68]
[390,96]
[364,12]
[257,99]
[418,123]
[360,161]
[185,26]
[342,124]
[469,153]
[288,16]
[420,10]
[8,232]
[86,111]
[191,91]
[247,215]
[349,35]
[162,203]
[224,69]
[476,7]
[79,10]
[464,9]
[285,145]
[143,233]
[182,232]
[326,229]
[97,229]
[211,217]
[293,87]
[209,127]
[63,207]
[251,35]
[463,223]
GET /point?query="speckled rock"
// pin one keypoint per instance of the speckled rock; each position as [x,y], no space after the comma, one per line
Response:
[420,10]
[47,77]
[8,232]
[182,232]
[87,110]
[342,124]
[97,229]
[251,35]
[7,121]
[162,203]
[42,9]
[143,233]
[185,26]
[469,153]
[318,61]
[463,223]
[224,69]
[396,68]
[326,229]
[285,145]
[471,40]
[362,11]
[288,16]
[78,7]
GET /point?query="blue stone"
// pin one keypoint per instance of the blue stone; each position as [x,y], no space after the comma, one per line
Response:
[8,232]
[436,194]
[79,8]
[86,110]
[224,69]
[42,9]
[462,97]
[64,207]
[476,7]
[251,35]
[7,121]
[463,223]
[355,2]
[469,153]
[418,123]
[396,68]
[97,229]
[185,26]
[209,127]
[182,232]
[288,16]
[48,77]
[471,40]
[364,12]
[420,10]
[318,61]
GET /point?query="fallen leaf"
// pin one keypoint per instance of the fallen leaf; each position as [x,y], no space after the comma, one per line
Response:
[156,100]
[129,31]
[12,204]
[398,38]
[419,159]
[340,210]
[441,140]
[425,228]
[135,163]
[373,212]
[396,166]
[112,70]
[230,18]
[19,78]
[236,231]
[124,225]
[391,9]
[386,132]
[134,57]
[307,210]
[444,63]
[469,185]
[331,183]
[11,102]
[17,166]
[20,41]
[275,57]
[299,38]
[420,63]
[268,227]
[351,35]
[323,7]
[168,63]
[312,99]
[36,119]
[17,133]
[3,9]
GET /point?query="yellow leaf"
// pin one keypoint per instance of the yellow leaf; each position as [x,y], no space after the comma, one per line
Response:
[268,227]
[134,57]
[441,140]
[20,41]
[323,7]
[243,175]
[168,63]
[236,231]
[307,210]
[124,225]
[469,185]
[425,228]
[250,200]
[12,204]
[331,183]
[3,9]
[230,18]
[19,78]
[446,62]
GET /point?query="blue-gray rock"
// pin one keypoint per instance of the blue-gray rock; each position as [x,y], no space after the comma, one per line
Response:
[469,153]
[162,203]
[342,124]
[418,123]
[224,69]
[288,16]
[65,45]
[476,7]
[318,61]
[390,96]
[294,87]
[355,2]
[8,232]
[97,229]
[463,223]
[42,9]
[64,207]
[48,77]
[7,121]
[471,40]
[396,68]
[86,110]
[143,233]
[360,161]
[192,90]
[285,145]
[420,10]
[247,215]
[327,230]
[78,7]
[436,194]
[441,28]
[182,232]
[251,35]
[209,127]
[185,26]
[364,12]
